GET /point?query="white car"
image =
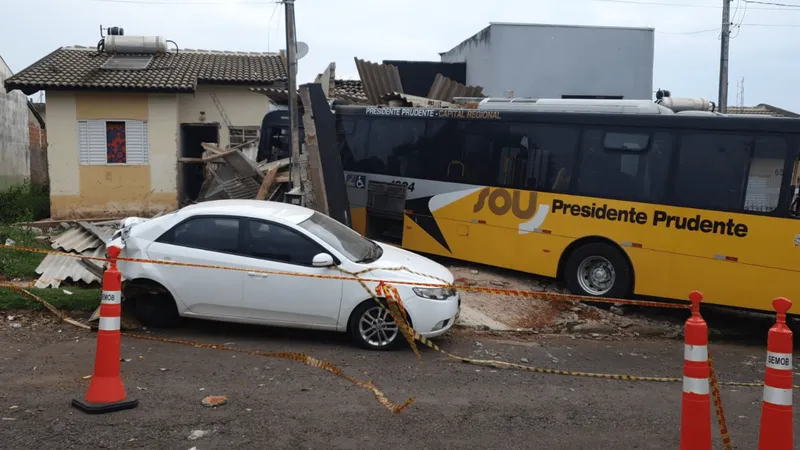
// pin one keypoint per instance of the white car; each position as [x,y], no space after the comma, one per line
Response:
[262,235]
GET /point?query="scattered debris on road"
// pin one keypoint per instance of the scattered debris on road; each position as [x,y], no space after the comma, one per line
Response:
[214,400]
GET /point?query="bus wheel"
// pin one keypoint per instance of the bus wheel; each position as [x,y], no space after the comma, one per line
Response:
[598,270]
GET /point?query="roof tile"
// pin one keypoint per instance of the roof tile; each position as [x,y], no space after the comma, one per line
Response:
[80,68]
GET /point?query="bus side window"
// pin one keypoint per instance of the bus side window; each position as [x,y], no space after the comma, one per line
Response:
[794,192]
[765,175]
[710,171]
[625,164]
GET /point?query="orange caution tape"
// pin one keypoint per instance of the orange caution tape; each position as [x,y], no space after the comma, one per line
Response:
[534,295]
[723,425]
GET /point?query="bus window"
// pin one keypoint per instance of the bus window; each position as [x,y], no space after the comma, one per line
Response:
[629,165]
[710,171]
[394,147]
[766,174]
[550,155]
[794,192]
[353,135]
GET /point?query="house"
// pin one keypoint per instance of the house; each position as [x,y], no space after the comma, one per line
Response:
[117,121]
[762,109]
[20,128]
[558,61]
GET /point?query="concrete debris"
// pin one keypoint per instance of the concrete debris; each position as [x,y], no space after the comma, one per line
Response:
[235,174]
[197,434]
[16,325]
[618,310]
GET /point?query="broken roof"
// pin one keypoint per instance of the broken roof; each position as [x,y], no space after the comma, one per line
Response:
[80,68]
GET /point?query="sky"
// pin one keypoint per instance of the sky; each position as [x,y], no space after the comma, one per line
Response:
[764,48]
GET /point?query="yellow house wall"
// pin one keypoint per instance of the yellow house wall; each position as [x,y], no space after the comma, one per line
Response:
[111,190]
[79,191]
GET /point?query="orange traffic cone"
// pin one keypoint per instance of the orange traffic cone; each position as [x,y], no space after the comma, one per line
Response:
[106,392]
[777,431]
[696,405]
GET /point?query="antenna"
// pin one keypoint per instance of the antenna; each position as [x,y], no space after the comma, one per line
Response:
[740,92]
[302,49]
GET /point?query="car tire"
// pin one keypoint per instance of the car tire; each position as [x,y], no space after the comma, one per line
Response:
[598,270]
[157,311]
[368,313]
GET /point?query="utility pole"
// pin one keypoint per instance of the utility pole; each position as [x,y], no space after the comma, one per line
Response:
[291,57]
[722,102]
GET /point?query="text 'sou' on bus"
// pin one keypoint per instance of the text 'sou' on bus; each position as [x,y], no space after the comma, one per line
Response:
[616,198]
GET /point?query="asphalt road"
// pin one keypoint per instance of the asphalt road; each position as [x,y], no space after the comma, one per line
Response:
[283,404]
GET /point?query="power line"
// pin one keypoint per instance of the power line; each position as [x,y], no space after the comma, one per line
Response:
[782,5]
[775,6]
[193,3]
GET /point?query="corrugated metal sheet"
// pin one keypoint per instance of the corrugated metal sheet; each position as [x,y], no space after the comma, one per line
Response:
[445,89]
[378,79]
[82,237]
[57,268]
[76,239]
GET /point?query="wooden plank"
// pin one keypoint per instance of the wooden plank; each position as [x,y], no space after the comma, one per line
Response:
[267,183]
[207,159]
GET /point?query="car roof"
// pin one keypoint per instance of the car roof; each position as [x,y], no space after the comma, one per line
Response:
[252,208]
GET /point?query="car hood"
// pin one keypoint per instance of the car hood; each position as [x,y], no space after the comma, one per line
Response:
[394,257]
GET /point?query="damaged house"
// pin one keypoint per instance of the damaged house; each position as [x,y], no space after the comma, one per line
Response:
[121,115]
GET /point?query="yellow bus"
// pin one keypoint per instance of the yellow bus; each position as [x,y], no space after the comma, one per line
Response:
[614,204]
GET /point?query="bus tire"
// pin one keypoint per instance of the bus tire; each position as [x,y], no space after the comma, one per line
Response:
[598,270]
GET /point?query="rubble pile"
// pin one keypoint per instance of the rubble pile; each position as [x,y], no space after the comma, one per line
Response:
[234,174]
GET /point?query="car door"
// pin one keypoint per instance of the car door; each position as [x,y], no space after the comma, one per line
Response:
[288,299]
[206,240]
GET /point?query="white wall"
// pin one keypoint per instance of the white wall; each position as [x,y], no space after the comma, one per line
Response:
[242,106]
[14,138]
[62,137]
[477,53]
[163,130]
[548,61]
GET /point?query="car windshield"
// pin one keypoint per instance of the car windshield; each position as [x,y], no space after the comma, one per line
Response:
[345,240]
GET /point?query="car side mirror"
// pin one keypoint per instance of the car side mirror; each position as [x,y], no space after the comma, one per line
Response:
[322,260]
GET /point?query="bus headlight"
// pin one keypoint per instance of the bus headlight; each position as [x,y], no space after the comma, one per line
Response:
[435,293]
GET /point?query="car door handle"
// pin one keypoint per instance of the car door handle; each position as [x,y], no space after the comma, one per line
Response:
[257,275]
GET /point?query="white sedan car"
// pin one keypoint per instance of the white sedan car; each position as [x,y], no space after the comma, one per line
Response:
[260,235]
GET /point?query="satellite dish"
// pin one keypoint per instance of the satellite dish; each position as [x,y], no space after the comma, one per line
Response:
[302,49]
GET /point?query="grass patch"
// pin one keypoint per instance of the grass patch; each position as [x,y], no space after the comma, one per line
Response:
[24,203]
[17,263]
[81,298]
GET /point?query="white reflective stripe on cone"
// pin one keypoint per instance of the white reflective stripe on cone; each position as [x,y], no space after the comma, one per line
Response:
[111,297]
[109,324]
[780,361]
[778,396]
[695,353]
[697,386]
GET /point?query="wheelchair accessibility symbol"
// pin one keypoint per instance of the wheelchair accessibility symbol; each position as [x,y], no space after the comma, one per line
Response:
[355,181]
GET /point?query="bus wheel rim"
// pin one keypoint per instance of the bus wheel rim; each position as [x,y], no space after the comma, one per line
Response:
[596,275]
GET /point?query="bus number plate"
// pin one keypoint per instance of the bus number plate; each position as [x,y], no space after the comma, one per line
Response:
[410,187]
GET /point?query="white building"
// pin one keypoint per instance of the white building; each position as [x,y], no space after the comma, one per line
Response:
[559,61]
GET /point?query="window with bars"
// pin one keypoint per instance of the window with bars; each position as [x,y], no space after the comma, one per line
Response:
[242,135]
[103,142]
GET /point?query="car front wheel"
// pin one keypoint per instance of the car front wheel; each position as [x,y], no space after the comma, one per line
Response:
[373,327]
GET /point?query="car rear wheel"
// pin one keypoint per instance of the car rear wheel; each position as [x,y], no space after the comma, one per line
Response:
[156,310]
[598,270]
[373,327]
